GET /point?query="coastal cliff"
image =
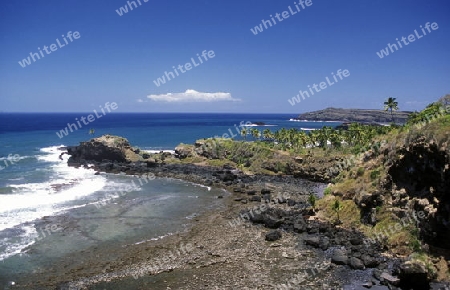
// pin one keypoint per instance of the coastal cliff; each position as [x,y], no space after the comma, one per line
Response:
[354,115]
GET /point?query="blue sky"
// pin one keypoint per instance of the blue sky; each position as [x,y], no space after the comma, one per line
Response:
[117,58]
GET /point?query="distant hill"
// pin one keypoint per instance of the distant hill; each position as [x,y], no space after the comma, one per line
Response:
[354,115]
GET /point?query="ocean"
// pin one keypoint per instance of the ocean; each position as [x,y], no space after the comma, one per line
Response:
[36,185]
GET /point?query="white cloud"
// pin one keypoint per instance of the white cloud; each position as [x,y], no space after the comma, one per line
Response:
[193,96]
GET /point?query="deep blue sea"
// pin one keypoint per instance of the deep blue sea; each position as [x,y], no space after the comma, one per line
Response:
[146,130]
[36,184]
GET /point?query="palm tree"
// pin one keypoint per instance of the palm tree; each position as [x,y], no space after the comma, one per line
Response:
[302,138]
[255,133]
[267,134]
[244,133]
[336,138]
[282,137]
[312,138]
[321,137]
[293,137]
[277,136]
[355,131]
[326,135]
[392,105]
[348,137]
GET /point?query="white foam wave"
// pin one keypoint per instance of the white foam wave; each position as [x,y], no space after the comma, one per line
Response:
[152,239]
[320,121]
[31,201]
[159,151]
[256,125]
[52,153]
[15,158]
[12,246]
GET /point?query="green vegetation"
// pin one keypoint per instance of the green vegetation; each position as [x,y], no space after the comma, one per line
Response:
[374,174]
[431,112]
[359,153]
[337,207]
[368,174]
[327,191]
[360,171]
[293,140]
[312,200]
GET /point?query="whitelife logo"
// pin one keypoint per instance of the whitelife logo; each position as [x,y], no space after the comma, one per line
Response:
[284,15]
[36,56]
[123,10]
[323,85]
[411,38]
[90,118]
[206,55]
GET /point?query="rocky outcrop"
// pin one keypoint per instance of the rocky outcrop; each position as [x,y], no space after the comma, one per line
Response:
[420,176]
[354,115]
[413,275]
[183,151]
[102,149]
[306,167]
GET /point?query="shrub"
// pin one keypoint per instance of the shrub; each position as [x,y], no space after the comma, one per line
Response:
[327,191]
[312,200]
[374,174]
[415,245]
[360,171]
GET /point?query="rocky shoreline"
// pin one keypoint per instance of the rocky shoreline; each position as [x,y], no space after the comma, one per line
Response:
[354,115]
[271,232]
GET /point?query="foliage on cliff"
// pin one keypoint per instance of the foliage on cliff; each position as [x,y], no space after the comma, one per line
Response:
[406,175]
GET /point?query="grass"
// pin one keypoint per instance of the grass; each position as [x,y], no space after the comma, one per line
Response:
[426,261]
[348,187]
[349,214]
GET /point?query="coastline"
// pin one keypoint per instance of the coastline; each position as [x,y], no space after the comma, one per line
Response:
[134,265]
[210,252]
[268,235]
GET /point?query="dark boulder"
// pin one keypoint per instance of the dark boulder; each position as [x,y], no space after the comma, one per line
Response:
[272,222]
[255,198]
[413,275]
[273,236]
[369,262]
[339,257]
[265,191]
[356,263]
[313,241]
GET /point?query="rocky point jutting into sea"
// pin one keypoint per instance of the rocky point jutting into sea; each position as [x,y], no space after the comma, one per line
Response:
[354,115]
[270,235]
